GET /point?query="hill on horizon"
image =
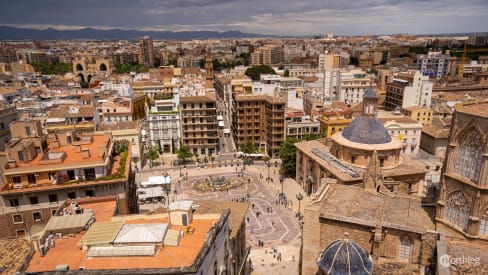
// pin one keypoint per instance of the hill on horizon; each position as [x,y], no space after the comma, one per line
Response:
[12,33]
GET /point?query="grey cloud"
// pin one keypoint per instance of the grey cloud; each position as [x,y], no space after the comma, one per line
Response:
[261,16]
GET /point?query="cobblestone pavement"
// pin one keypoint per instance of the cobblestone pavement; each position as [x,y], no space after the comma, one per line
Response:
[267,219]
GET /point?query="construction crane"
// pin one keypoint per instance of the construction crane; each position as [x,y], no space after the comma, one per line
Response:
[463,57]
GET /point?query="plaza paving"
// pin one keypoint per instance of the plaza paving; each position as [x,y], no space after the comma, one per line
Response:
[267,220]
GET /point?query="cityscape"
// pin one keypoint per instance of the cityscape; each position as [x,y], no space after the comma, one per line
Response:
[239,149]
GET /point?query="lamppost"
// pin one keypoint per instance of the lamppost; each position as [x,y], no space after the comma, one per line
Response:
[282,180]
[299,198]
[269,165]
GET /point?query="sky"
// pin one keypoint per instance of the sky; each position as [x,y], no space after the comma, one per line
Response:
[274,17]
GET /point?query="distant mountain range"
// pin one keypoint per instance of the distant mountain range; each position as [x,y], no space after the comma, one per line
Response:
[12,33]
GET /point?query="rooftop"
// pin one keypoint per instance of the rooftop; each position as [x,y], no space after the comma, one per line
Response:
[73,158]
[67,249]
[478,108]
[356,205]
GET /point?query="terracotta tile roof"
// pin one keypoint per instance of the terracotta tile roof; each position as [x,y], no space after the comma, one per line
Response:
[237,215]
[356,205]
[63,111]
[12,254]
[67,251]
[436,132]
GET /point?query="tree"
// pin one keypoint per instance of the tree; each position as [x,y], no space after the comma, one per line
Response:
[255,71]
[152,154]
[288,157]
[248,147]
[287,73]
[184,153]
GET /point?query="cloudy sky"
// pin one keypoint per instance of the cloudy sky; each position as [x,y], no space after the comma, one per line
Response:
[279,17]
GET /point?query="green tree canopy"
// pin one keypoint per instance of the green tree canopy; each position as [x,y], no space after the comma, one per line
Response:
[152,154]
[127,68]
[248,147]
[184,152]
[52,68]
[255,71]
[288,157]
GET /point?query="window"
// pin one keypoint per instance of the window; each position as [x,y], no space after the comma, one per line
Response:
[405,248]
[37,217]
[20,233]
[14,202]
[470,156]
[353,158]
[28,131]
[71,195]
[457,210]
[89,193]
[53,198]
[16,179]
[31,178]
[34,200]
[20,154]
[484,224]
[17,218]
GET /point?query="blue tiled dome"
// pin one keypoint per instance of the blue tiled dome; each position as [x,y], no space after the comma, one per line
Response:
[366,130]
[345,257]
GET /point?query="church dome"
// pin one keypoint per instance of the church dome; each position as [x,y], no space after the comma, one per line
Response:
[366,130]
[343,257]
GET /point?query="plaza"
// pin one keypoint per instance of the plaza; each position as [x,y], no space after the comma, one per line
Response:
[272,226]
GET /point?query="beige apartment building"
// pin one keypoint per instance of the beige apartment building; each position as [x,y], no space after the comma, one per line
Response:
[199,123]
[267,55]
[260,119]
[41,174]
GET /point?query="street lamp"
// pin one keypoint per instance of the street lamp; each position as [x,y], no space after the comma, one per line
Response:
[299,198]
[269,165]
[282,180]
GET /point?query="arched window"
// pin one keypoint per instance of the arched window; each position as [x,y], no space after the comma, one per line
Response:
[470,155]
[405,248]
[484,224]
[457,210]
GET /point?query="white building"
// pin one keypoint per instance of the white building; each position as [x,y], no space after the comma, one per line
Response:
[352,85]
[164,124]
[410,90]
[404,129]
[433,64]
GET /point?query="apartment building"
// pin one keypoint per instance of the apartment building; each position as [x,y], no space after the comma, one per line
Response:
[433,64]
[8,113]
[198,115]
[333,121]
[420,114]
[115,109]
[146,51]
[312,105]
[41,174]
[260,119]
[352,86]
[81,118]
[267,55]
[164,124]
[407,90]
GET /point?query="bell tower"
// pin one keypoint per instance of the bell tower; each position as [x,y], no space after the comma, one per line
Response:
[208,68]
[370,102]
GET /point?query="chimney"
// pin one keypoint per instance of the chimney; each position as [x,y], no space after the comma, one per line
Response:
[85,153]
